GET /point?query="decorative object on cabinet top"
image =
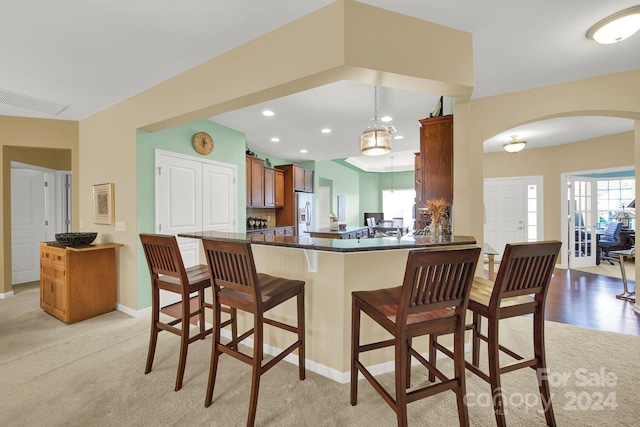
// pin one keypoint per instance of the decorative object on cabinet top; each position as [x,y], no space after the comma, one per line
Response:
[76,239]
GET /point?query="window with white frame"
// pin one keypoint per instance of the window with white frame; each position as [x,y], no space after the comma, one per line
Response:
[614,195]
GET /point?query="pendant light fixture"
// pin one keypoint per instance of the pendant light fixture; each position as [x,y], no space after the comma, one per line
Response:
[616,27]
[514,146]
[376,139]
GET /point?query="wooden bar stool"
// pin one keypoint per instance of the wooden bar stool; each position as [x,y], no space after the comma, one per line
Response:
[520,288]
[237,284]
[168,273]
[432,300]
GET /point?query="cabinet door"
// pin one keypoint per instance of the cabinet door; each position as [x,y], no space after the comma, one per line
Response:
[298,178]
[269,187]
[308,181]
[279,188]
[46,286]
[59,302]
[255,181]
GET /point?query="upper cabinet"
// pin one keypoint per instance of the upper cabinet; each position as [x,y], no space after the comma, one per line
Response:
[302,178]
[279,188]
[434,164]
[255,181]
[265,186]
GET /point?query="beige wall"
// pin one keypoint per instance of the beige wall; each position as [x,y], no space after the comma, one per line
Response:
[47,143]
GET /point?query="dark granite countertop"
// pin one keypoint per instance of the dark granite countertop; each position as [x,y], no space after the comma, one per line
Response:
[339,245]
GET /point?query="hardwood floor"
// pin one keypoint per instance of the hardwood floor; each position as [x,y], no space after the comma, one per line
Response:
[589,300]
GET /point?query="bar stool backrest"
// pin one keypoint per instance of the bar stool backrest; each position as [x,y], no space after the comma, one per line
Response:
[437,279]
[232,266]
[525,269]
[164,258]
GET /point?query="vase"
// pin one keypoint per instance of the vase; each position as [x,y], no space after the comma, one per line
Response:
[436,230]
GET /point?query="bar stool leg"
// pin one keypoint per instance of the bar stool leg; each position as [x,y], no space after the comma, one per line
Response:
[494,371]
[543,383]
[355,352]
[155,318]
[459,372]
[215,355]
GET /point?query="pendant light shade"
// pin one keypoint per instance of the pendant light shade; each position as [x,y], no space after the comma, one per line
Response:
[376,139]
[514,146]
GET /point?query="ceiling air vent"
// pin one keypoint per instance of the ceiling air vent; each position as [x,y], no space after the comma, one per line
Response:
[390,128]
[31,103]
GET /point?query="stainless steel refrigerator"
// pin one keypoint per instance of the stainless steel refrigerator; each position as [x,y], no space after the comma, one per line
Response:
[306,213]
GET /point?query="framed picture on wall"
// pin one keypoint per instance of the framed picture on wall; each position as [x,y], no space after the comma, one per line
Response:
[103,204]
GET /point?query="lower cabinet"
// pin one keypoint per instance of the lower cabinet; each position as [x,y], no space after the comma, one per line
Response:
[77,283]
[269,233]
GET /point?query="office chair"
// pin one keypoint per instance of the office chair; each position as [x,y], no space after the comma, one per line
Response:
[609,239]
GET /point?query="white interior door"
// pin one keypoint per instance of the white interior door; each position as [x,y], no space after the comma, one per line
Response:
[582,218]
[219,198]
[505,222]
[27,223]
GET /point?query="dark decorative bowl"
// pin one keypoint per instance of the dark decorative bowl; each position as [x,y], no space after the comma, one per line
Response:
[76,239]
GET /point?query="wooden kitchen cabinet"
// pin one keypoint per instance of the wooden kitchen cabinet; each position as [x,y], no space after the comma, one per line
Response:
[269,187]
[279,188]
[434,164]
[77,283]
[255,181]
[302,178]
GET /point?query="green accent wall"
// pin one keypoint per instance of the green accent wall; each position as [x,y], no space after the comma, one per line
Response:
[229,147]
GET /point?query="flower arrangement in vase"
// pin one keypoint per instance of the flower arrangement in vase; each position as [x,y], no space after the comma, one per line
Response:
[438,210]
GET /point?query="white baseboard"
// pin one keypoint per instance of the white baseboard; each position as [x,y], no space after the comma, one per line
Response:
[131,312]
[6,295]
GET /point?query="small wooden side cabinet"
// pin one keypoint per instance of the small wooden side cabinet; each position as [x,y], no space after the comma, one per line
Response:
[77,283]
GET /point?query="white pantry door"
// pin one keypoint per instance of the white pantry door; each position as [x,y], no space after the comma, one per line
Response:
[193,195]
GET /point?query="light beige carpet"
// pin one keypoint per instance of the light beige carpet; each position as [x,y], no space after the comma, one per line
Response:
[91,374]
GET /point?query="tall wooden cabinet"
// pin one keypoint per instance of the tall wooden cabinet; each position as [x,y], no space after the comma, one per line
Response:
[77,283]
[434,163]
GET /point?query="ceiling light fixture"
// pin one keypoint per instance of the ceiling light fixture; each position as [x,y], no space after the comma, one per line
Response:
[514,146]
[326,130]
[376,139]
[275,139]
[268,113]
[616,27]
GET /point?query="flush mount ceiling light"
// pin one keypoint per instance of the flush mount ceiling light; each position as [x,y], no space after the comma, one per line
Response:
[514,146]
[616,27]
[376,139]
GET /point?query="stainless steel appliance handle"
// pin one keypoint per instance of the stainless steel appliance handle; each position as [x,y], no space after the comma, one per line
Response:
[307,208]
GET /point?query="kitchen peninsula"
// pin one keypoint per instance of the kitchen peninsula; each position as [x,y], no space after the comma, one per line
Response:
[332,269]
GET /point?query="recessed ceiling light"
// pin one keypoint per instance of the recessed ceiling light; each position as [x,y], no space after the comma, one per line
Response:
[268,113]
[326,130]
[385,119]
[398,137]
[274,139]
[303,151]
[616,27]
